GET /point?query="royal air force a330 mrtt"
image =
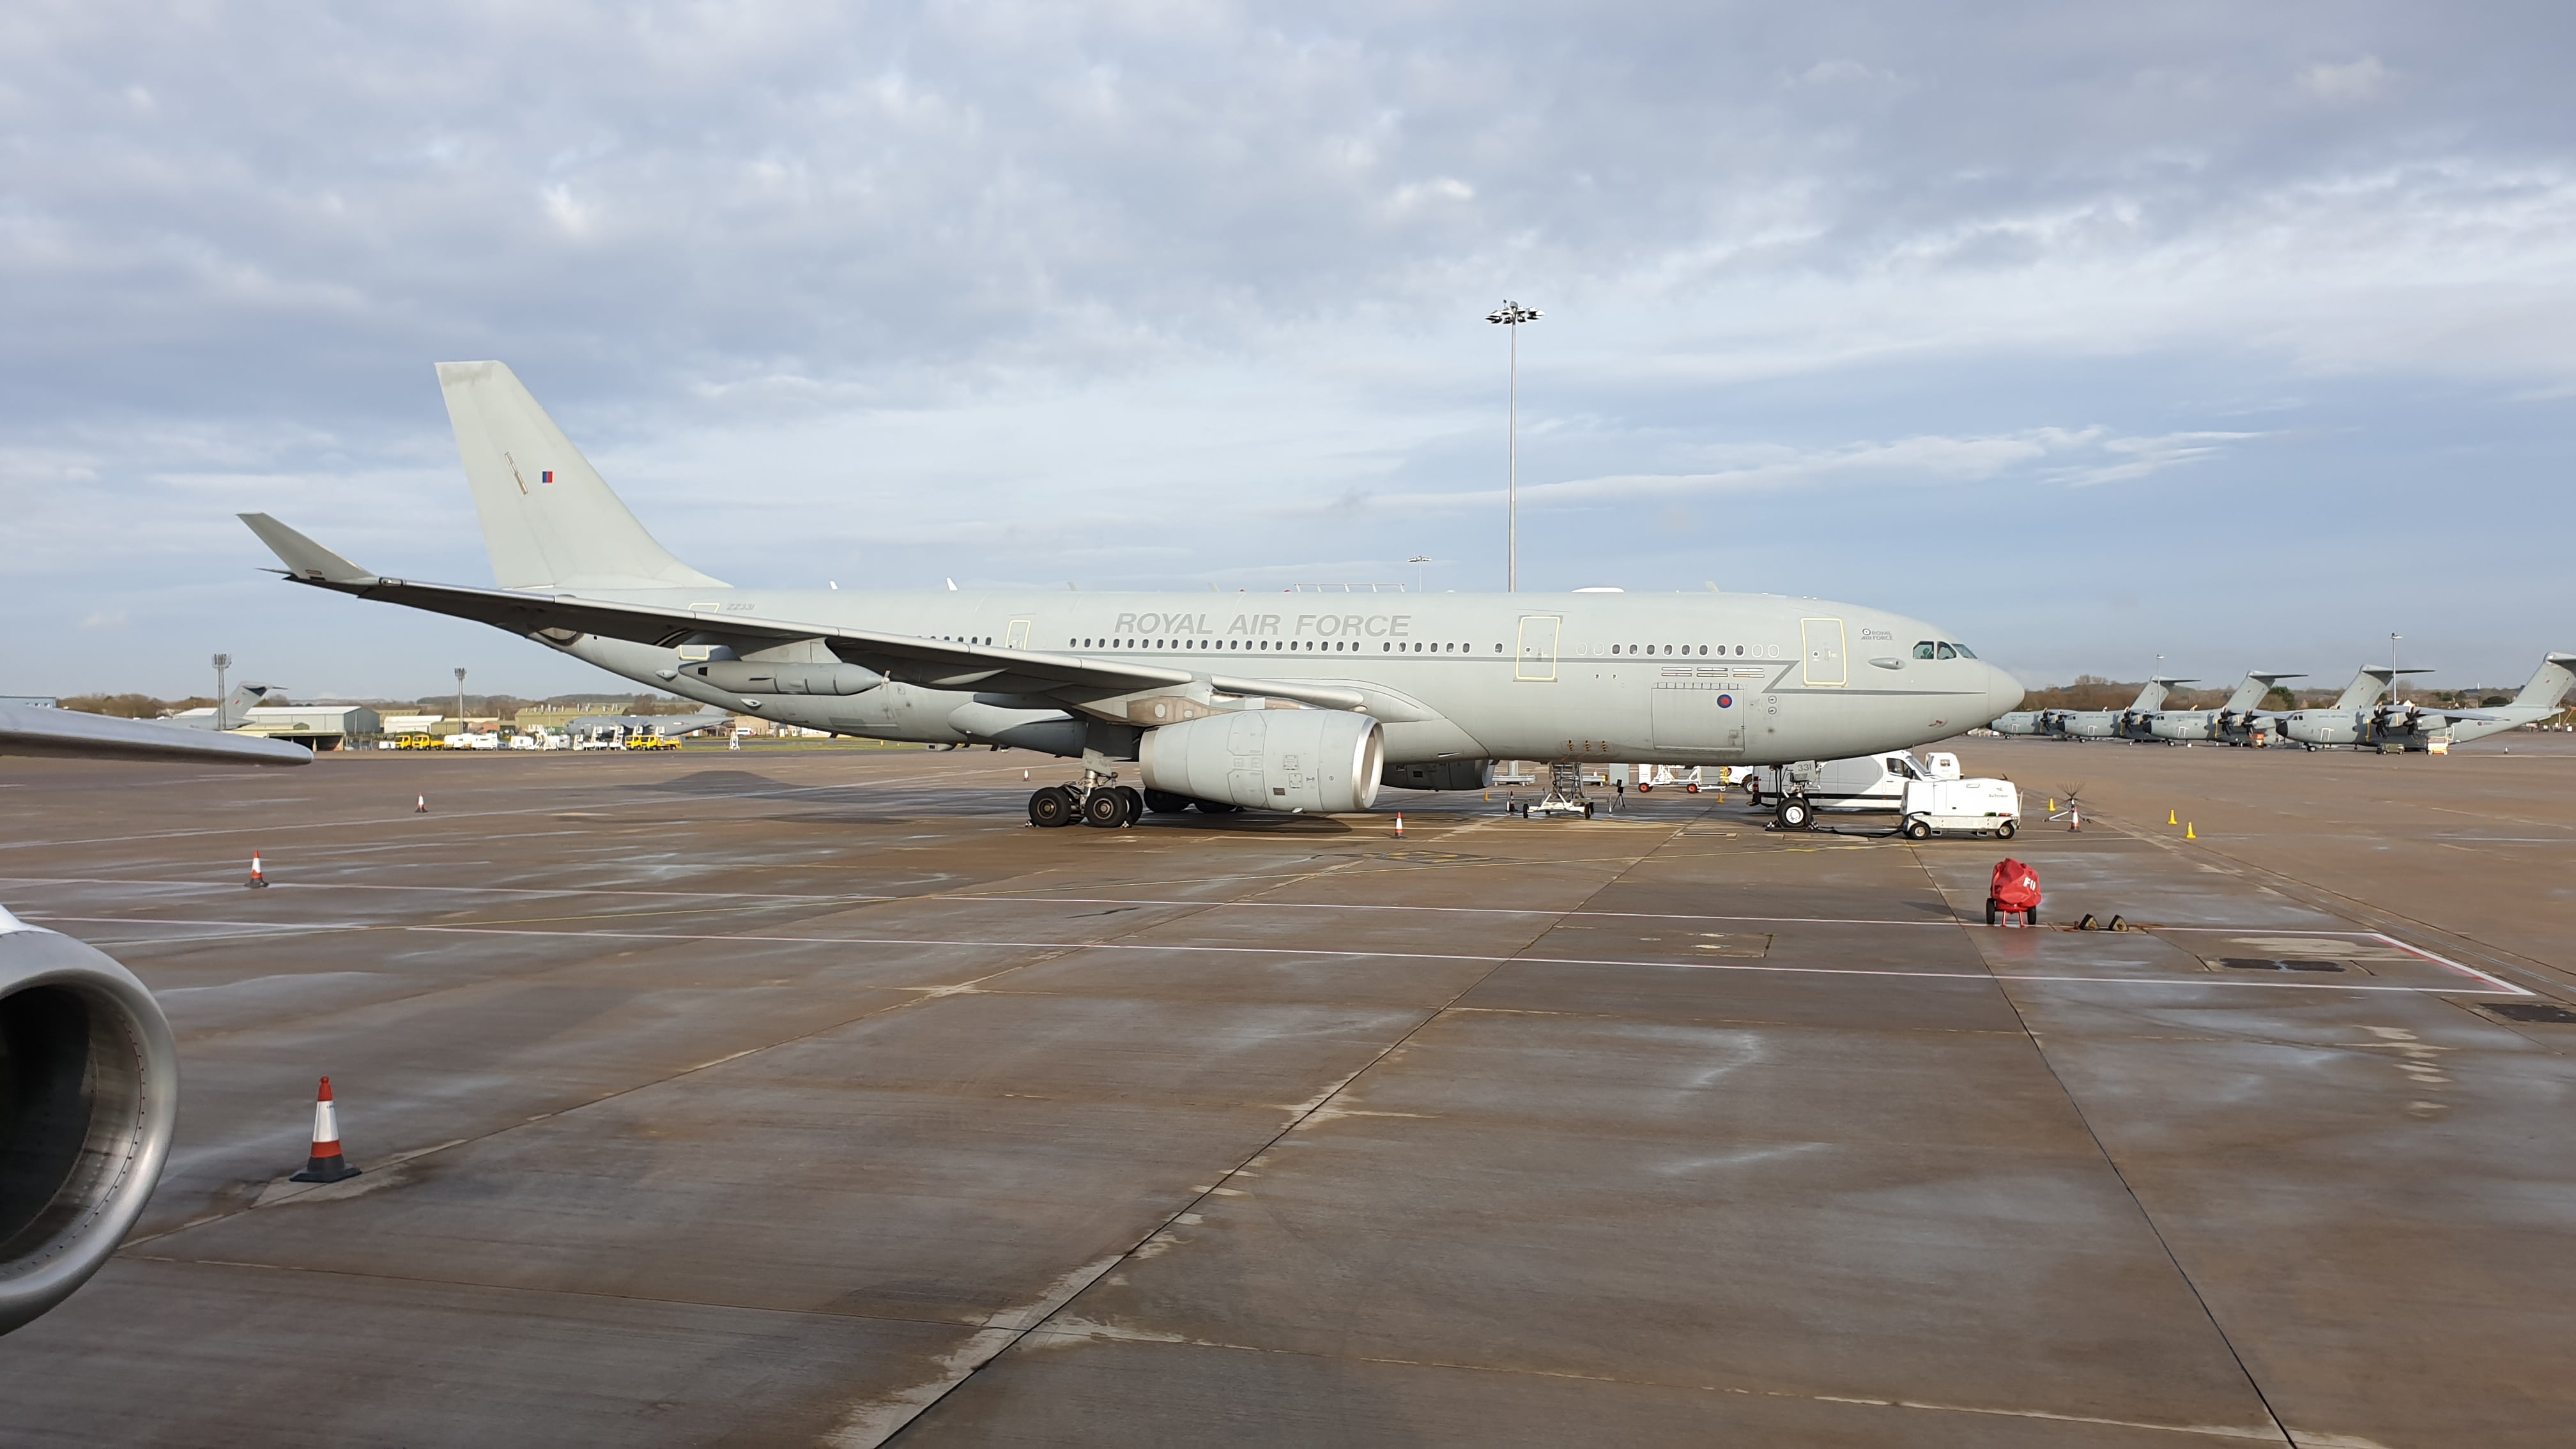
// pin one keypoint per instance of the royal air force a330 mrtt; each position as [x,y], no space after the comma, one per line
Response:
[1235,702]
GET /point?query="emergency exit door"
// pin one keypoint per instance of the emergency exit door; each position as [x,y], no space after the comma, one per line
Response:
[1535,660]
[1017,636]
[1824,640]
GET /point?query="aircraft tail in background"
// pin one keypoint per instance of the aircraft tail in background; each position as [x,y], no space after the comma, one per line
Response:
[2251,692]
[549,519]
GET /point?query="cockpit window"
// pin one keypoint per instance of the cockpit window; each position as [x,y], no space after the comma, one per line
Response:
[1923,650]
[1949,651]
[1964,651]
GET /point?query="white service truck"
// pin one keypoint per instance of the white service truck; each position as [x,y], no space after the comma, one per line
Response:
[1924,797]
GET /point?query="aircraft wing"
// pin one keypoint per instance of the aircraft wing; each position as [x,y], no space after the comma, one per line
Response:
[70,734]
[936,663]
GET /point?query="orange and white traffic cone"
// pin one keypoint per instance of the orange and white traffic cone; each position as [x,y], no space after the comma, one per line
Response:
[1399,825]
[326,1164]
[2074,818]
[421,806]
[258,881]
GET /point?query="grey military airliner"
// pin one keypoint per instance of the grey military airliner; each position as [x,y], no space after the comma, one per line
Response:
[2088,724]
[1298,702]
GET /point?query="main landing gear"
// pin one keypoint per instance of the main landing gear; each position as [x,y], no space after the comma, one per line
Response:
[1096,802]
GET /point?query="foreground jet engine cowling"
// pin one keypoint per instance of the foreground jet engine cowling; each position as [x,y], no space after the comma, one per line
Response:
[89,1093]
[1323,761]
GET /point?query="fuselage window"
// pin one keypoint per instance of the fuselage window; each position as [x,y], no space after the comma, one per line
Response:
[1949,653]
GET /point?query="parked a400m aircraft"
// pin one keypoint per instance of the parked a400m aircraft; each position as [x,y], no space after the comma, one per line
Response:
[2356,720]
[1201,696]
[2232,723]
[2087,724]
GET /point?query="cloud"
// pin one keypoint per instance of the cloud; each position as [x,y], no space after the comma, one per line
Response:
[2356,80]
[1152,294]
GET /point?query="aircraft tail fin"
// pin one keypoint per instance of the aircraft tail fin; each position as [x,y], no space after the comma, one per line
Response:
[2372,682]
[2153,696]
[2251,692]
[2549,683]
[549,519]
[234,711]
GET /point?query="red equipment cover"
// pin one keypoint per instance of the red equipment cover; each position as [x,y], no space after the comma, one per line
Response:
[2016,887]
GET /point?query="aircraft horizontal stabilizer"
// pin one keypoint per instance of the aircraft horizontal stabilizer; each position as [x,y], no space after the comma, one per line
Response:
[304,558]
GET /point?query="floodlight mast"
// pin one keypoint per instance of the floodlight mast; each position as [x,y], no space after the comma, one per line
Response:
[222,663]
[1511,315]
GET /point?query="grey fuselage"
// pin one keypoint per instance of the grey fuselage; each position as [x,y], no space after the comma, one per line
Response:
[1667,679]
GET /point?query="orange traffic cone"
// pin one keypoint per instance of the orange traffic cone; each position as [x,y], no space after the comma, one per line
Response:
[1399,825]
[257,881]
[2074,818]
[420,806]
[326,1164]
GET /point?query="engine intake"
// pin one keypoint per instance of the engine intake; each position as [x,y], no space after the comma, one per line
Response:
[89,1082]
[1322,761]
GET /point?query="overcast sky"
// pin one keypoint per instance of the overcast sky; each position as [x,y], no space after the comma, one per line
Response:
[2240,335]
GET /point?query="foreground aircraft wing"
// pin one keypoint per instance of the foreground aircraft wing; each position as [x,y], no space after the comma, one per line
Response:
[936,663]
[70,734]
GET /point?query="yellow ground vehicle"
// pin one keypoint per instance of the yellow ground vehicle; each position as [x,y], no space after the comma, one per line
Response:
[652,742]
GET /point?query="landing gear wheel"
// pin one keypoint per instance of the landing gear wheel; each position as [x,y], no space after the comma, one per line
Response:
[1164,802]
[1219,807]
[1796,814]
[2008,830]
[1918,830]
[1105,810]
[1135,803]
[1051,807]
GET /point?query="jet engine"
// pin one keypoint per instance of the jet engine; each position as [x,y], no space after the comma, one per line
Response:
[750,676]
[89,1092]
[1324,761]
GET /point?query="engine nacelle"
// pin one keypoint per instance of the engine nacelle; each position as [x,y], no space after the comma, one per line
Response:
[1322,761]
[89,1092]
[1442,775]
[750,676]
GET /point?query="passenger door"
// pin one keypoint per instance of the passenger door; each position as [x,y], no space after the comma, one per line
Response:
[1825,651]
[1535,661]
[1018,636]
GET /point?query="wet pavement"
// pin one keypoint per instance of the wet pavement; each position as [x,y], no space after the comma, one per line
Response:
[808,1096]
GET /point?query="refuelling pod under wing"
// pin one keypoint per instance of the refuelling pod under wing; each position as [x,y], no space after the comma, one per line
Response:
[751,676]
[89,1084]
[1319,761]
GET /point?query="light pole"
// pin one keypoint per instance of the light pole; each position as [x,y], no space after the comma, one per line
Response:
[2392,666]
[222,663]
[460,699]
[1418,560]
[1511,315]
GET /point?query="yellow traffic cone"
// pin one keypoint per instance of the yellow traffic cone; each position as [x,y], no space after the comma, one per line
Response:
[2052,804]
[2190,834]
[2169,817]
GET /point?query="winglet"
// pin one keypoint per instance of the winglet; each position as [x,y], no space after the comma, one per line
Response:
[304,558]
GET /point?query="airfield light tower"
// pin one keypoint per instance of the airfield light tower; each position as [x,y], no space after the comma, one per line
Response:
[1511,315]
[2392,664]
[222,663]
[460,699]
[1418,560]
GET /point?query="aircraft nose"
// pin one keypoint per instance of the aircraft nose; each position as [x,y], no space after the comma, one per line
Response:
[2003,692]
